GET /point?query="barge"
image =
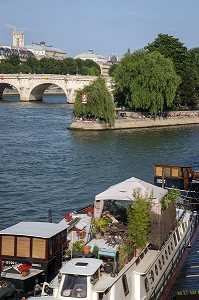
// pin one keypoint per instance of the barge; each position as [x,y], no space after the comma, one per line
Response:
[103,274]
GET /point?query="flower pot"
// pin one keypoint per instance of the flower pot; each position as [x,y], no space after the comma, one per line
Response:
[86,249]
[25,273]
[89,213]
[138,251]
[98,235]
[82,234]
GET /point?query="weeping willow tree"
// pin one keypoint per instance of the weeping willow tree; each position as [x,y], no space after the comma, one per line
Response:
[146,80]
[99,102]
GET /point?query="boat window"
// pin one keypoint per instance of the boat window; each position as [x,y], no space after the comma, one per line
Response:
[167,172]
[160,264]
[23,246]
[152,275]
[169,250]
[178,235]
[183,227]
[74,286]
[156,270]
[171,246]
[125,285]
[163,261]
[8,245]
[175,240]
[146,282]
[39,248]
[166,254]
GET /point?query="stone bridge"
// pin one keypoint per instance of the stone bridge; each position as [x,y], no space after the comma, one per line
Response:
[31,87]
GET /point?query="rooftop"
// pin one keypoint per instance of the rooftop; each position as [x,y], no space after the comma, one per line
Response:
[35,229]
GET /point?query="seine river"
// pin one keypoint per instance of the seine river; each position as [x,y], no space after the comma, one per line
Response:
[43,165]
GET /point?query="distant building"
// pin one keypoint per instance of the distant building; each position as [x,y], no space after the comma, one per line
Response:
[113,58]
[17,39]
[99,59]
[42,50]
[35,50]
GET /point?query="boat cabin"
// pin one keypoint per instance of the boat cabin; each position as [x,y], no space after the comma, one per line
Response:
[75,280]
[166,176]
[36,244]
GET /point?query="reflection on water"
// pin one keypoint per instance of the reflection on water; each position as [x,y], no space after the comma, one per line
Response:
[45,165]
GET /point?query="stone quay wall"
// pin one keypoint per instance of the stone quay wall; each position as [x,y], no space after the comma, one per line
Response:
[141,121]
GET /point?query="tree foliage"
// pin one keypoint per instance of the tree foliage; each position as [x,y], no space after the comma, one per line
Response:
[139,218]
[146,80]
[51,66]
[99,102]
[184,65]
[171,48]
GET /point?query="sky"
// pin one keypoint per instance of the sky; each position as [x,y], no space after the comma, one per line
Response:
[106,26]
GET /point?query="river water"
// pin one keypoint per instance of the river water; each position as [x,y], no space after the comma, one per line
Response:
[43,165]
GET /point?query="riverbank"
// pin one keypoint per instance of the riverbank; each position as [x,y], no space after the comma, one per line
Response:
[131,123]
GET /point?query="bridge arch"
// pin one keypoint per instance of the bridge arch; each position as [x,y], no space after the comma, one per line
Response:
[31,87]
[37,93]
[4,86]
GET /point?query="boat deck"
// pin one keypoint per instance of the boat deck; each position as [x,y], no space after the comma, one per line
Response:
[186,276]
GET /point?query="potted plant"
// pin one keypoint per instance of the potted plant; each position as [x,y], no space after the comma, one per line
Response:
[123,255]
[86,249]
[95,251]
[78,246]
[99,225]
[68,217]
[89,210]
[24,269]
[139,219]
[67,253]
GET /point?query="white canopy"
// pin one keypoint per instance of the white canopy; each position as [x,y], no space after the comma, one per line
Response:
[124,191]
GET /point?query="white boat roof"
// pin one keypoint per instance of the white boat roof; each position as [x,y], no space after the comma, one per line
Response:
[35,229]
[124,190]
[81,266]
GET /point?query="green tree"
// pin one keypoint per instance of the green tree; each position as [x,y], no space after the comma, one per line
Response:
[23,68]
[93,66]
[99,102]
[139,218]
[7,68]
[170,47]
[112,69]
[146,81]
[13,60]
[33,64]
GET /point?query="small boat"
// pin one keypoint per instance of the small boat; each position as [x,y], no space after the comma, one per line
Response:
[103,274]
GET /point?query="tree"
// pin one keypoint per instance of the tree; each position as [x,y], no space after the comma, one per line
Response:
[170,47]
[139,218]
[146,81]
[100,102]
[112,69]
[13,60]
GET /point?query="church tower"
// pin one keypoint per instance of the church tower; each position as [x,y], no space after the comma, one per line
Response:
[17,39]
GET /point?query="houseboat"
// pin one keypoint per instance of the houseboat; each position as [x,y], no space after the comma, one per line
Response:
[105,273]
[31,252]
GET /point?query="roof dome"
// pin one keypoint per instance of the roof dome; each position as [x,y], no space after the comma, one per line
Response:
[91,55]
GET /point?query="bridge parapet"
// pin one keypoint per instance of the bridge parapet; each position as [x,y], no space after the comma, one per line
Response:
[32,86]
